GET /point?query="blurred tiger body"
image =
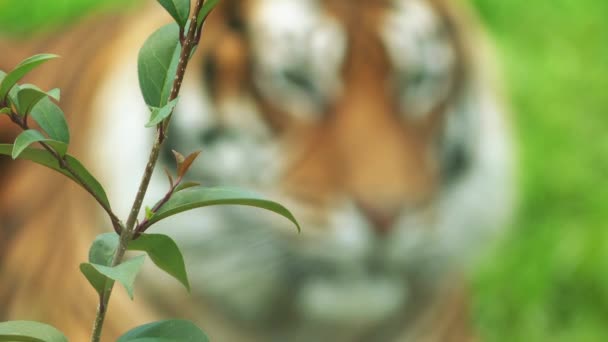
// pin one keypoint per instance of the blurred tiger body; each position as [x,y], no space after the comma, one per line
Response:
[374,121]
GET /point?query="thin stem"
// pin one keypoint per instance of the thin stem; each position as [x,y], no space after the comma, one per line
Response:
[145,182]
[191,40]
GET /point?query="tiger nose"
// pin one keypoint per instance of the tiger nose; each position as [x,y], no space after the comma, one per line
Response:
[379,215]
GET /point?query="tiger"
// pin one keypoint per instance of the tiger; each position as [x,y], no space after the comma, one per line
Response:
[379,123]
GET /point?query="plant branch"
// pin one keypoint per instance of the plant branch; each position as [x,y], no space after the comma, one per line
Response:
[116,224]
[190,41]
[141,227]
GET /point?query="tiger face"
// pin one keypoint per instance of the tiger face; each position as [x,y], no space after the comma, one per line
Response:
[371,120]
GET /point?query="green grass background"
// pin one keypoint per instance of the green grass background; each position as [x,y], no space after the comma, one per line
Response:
[548,281]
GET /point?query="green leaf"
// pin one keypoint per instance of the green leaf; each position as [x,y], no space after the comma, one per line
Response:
[169,330]
[157,65]
[103,248]
[208,6]
[44,158]
[164,253]
[29,95]
[26,138]
[21,70]
[5,111]
[124,273]
[29,331]
[179,10]
[199,197]
[12,98]
[149,212]
[51,119]
[27,98]
[55,94]
[186,185]
[160,114]
[95,278]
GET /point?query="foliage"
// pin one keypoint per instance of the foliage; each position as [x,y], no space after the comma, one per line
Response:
[172,330]
[162,63]
[28,331]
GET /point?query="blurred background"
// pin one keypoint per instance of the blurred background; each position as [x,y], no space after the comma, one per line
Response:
[548,280]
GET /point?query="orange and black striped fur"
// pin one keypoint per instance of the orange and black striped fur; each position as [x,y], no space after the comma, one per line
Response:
[373,120]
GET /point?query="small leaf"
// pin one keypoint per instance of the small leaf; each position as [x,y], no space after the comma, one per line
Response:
[179,10]
[186,185]
[165,253]
[149,213]
[169,177]
[157,65]
[95,278]
[179,158]
[44,158]
[169,330]
[160,114]
[103,248]
[208,6]
[51,119]
[29,331]
[124,273]
[199,197]
[29,95]
[185,165]
[26,138]
[21,70]
[5,111]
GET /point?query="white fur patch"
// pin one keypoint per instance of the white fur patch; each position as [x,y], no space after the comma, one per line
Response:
[423,57]
[298,51]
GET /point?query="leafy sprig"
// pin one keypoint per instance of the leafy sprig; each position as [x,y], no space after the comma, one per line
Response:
[162,64]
